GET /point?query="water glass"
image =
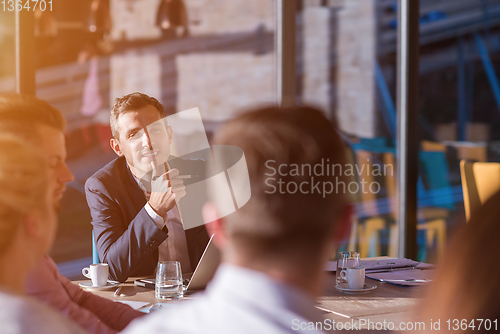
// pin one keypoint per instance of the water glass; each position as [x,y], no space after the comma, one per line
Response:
[346,260]
[169,281]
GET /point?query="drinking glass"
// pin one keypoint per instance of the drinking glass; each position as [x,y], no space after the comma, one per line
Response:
[168,280]
[346,260]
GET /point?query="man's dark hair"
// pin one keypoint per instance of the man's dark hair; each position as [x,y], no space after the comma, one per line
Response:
[29,111]
[131,102]
[289,225]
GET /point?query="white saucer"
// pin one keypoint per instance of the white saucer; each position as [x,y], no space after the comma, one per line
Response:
[88,285]
[344,287]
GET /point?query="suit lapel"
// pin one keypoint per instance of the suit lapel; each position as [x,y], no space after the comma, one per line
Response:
[134,191]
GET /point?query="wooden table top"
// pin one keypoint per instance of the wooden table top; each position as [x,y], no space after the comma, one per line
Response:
[130,292]
[387,302]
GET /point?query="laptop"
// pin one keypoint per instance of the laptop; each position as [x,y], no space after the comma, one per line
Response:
[206,268]
[203,273]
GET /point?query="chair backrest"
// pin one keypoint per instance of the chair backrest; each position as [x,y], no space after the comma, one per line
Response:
[378,144]
[95,255]
[437,191]
[480,180]
[383,203]
[434,169]
[472,153]
[430,146]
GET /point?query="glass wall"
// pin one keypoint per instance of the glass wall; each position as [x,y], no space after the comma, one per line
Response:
[459,104]
[347,61]
[347,58]
[217,56]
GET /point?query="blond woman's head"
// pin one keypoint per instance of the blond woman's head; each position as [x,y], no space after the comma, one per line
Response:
[27,214]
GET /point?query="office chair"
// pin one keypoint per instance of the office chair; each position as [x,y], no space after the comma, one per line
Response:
[480,181]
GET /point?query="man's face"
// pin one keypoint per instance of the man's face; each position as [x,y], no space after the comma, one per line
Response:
[47,218]
[53,149]
[143,139]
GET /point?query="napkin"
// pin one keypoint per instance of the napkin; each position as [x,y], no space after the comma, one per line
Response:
[133,304]
[378,265]
[411,277]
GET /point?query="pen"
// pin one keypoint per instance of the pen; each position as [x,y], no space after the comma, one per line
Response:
[373,271]
[117,292]
[144,284]
[182,177]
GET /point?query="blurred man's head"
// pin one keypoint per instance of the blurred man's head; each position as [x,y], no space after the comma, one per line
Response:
[43,126]
[294,227]
[140,132]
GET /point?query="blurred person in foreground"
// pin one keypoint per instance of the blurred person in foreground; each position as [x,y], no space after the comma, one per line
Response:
[135,215]
[43,127]
[275,246]
[466,287]
[28,224]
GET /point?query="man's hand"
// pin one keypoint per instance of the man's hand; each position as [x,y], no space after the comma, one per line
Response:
[165,191]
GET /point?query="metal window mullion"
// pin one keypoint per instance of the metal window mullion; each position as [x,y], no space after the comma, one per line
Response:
[408,140]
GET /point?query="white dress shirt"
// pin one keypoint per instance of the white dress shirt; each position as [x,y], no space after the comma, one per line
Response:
[238,300]
[174,248]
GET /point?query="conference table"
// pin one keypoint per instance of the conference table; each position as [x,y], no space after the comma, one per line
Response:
[388,302]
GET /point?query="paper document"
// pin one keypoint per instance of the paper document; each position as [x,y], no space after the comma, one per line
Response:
[133,304]
[373,265]
[384,265]
[411,277]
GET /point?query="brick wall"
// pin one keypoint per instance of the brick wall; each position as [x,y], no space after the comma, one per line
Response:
[338,60]
[317,37]
[134,19]
[221,85]
[229,16]
[356,47]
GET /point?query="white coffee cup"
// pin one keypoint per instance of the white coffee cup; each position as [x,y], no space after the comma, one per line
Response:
[98,273]
[355,277]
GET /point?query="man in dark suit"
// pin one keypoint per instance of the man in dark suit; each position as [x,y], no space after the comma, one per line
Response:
[133,199]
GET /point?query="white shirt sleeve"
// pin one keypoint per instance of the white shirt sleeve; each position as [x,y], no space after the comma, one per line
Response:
[157,219]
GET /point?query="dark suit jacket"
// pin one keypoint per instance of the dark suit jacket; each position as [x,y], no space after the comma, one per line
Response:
[126,237]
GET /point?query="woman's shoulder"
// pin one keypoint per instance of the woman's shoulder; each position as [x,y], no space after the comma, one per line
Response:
[20,314]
